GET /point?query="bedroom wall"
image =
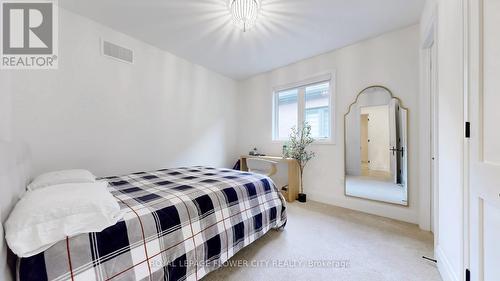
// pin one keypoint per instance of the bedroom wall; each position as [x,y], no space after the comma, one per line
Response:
[392,60]
[113,118]
[447,15]
[5,107]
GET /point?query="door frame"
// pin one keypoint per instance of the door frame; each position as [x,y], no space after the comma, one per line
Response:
[434,138]
[428,214]
[468,39]
[364,142]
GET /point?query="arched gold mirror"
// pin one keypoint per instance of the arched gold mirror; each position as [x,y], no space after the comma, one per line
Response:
[376,147]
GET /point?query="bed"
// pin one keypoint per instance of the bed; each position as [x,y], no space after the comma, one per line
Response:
[178,224]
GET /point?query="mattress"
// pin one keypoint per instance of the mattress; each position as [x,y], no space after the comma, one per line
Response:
[178,224]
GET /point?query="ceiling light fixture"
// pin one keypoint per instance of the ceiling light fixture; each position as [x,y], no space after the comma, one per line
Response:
[244,12]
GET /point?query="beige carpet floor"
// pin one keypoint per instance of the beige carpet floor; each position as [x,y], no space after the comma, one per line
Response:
[375,248]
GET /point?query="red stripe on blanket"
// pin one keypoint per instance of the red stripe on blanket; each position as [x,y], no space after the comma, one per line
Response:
[69,259]
[143,235]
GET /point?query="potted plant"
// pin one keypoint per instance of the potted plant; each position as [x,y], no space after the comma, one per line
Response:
[295,148]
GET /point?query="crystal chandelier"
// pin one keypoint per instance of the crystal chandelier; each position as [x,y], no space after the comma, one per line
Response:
[244,12]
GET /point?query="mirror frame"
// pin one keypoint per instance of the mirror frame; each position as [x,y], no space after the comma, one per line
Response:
[407,146]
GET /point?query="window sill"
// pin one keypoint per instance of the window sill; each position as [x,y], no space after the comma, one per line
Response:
[324,142]
[321,142]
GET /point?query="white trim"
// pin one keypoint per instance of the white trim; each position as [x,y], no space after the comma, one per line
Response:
[392,211]
[429,26]
[301,103]
[308,81]
[425,144]
[429,38]
[444,266]
[316,142]
[474,247]
[466,145]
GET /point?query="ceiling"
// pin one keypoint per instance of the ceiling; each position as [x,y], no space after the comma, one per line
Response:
[287,31]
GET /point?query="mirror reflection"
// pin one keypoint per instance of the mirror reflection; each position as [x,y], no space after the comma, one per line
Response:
[376,147]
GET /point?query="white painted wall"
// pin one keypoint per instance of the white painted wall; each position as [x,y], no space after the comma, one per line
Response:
[449,22]
[113,118]
[5,186]
[391,60]
[5,107]
[427,37]
[447,16]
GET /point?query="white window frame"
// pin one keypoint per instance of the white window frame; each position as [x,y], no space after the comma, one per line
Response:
[301,86]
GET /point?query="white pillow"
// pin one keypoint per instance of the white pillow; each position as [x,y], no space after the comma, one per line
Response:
[60,177]
[46,216]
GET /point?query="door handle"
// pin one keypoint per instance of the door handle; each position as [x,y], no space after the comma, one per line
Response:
[402,150]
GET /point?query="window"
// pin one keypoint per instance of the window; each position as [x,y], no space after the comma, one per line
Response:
[310,103]
[287,112]
[317,110]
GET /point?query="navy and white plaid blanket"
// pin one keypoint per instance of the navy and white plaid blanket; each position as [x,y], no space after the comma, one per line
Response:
[179,224]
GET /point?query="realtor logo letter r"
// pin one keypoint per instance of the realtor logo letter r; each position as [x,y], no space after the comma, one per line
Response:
[27,28]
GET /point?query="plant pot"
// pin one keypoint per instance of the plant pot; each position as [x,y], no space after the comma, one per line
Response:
[302,198]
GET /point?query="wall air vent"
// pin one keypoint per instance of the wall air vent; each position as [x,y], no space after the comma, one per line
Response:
[117,52]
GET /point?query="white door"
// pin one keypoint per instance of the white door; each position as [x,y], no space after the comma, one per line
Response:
[393,127]
[402,147]
[484,160]
[364,139]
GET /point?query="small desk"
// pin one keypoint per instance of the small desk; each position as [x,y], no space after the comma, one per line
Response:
[293,174]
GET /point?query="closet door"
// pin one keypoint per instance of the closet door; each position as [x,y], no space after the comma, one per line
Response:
[484,160]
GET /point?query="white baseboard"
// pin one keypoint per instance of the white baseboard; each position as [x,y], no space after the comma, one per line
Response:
[395,212]
[444,266]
